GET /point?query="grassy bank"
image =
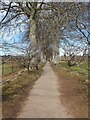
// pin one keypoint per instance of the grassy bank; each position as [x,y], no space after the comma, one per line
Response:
[15,92]
[81,70]
[74,92]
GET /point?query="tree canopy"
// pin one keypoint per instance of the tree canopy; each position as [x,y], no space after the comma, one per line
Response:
[46,25]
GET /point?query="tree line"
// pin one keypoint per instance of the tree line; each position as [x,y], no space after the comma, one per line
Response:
[47,27]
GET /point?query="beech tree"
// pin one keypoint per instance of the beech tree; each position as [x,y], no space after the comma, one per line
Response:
[52,16]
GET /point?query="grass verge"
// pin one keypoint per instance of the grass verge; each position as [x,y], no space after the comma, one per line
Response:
[15,92]
[74,93]
[81,70]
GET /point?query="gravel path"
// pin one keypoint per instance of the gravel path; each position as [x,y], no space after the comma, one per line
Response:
[44,98]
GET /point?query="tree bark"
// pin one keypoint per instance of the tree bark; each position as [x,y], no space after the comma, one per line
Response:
[32,35]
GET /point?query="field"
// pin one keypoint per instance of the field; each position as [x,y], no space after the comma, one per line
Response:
[8,68]
[81,70]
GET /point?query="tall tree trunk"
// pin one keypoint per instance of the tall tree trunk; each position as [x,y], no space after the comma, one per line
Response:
[57,44]
[32,35]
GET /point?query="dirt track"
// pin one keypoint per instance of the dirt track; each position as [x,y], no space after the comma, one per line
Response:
[44,98]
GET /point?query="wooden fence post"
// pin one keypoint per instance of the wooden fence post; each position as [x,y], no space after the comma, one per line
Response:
[12,65]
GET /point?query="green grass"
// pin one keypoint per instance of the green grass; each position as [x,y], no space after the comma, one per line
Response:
[7,69]
[82,69]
